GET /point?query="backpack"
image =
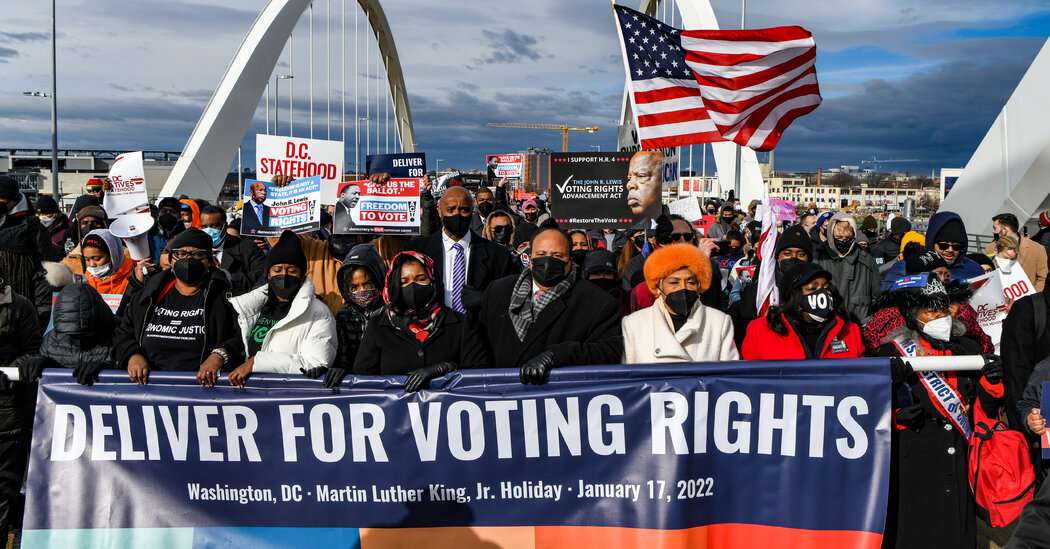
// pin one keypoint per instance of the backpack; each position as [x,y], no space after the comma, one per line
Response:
[1001,474]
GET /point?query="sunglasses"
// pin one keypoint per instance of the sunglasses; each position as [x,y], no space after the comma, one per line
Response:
[951,246]
[199,255]
[682,237]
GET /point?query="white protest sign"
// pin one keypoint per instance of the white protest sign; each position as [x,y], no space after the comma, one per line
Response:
[1015,283]
[990,303]
[127,191]
[627,141]
[300,158]
[687,207]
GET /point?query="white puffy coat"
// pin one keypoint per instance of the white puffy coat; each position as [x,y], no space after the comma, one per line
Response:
[706,336]
[304,338]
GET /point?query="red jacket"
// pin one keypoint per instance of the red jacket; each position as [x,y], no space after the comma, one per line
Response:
[762,343]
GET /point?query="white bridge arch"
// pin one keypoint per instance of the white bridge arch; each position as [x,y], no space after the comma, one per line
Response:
[211,148]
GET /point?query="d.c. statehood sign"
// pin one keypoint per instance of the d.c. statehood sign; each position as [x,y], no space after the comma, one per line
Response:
[755,454]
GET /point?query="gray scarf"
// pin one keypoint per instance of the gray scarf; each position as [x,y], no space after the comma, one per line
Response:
[523,310]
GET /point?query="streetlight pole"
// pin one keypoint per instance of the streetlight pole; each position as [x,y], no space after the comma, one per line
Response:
[364,119]
[54,113]
[437,166]
[277,102]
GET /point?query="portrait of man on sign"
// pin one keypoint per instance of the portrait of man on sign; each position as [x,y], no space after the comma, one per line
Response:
[349,196]
[645,184]
[256,214]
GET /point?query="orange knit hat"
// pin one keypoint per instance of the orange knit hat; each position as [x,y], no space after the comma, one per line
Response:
[669,259]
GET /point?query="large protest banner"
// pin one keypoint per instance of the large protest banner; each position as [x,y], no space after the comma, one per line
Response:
[300,158]
[363,207]
[504,165]
[718,455]
[268,209]
[591,190]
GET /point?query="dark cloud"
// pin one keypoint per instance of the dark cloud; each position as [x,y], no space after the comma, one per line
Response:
[509,47]
[7,53]
[26,36]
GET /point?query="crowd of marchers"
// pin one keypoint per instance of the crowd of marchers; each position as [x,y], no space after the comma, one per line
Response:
[495,283]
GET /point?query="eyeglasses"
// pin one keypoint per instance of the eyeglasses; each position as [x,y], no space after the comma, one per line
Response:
[199,255]
[951,246]
[682,237]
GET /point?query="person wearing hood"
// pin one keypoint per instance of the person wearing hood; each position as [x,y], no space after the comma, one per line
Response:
[726,222]
[89,218]
[81,340]
[499,228]
[581,244]
[600,269]
[793,246]
[181,319]
[1029,255]
[946,235]
[544,318]
[929,462]
[56,223]
[284,328]
[887,249]
[361,281]
[105,266]
[15,210]
[190,213]
[809,323]
[416,334]
[677,327]
[856,276]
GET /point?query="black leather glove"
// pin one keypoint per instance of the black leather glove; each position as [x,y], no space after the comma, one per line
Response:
[334,377]
[314,373]
[471,298]
[31,370]
[86,373]
[422,376]
[900,369]
[537,369]
[5,383]
[912,417]
[993,369]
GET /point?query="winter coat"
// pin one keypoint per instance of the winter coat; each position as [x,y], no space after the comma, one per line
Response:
[762,343]
[1033,528]
[1022,348]
[321,268]
[19,341]
[244,262]
[80,310]
[963,269]
[706,336]
[220,321]
[885,250]
[889,320]
[853,274]
[304,338]
[488,262]
[388,350]
[122,266]
[583,327]
[351,320]
[1032,258]
[57,230]
[930,502]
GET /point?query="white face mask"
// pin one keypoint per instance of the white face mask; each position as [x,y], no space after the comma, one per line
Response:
[1005,265]
[47,221]
[101,271]
[939,329]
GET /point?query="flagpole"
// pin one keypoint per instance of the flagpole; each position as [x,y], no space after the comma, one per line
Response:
[739,148]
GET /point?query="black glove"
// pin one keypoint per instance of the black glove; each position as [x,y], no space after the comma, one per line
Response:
[86,373]
[471,298]
[911,417]
[900,369]
[334,377]
[422,376]
[31,370]
[537,369]
[314,373]
[5,383]
[993,369]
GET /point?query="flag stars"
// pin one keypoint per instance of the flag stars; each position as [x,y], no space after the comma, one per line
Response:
[663,56]
[645,40]
[640,72]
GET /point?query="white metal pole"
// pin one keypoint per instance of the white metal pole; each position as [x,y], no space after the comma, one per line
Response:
[54,112]
[379,125]
[240,172]
[368,91]
[328,66]
[739,148]
[945,363]
[342,71]
[311,70]
[291,87]
[267,105]
[357,106]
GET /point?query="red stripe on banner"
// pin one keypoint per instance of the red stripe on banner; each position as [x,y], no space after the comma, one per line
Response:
[752,122]
[673,92]
[504,537]
[773,34]
[723,59]
[681,140]
[715,536]
[673,117]
[743,82]
[737,107]
[782,123]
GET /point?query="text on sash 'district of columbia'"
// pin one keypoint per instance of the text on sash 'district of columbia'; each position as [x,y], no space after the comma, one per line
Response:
[730,422]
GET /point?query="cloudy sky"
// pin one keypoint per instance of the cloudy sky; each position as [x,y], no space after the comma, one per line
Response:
[900,79]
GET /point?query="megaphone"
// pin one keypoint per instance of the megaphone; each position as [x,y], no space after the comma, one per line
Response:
[134,230]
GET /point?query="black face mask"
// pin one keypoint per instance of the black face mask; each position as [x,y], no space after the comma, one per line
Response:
[639,241]
[578,256]
[733,251]
[995,236]
[284,286]
[819,304]
[502,234]
[417,296]
[843,245]
[606,284]
[548,271]
[785,265]
[531,217]
[681,302]
[456,225]
[485,208]
[189,271]
[727,219]
[167,221]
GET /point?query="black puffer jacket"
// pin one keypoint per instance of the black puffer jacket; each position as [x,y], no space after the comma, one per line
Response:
[19,340]
[83,331]
[350,321]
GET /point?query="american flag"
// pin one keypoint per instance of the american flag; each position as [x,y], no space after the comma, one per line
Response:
[692,87]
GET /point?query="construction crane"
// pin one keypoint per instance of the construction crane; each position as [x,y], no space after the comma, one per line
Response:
[561,127]
[874,160]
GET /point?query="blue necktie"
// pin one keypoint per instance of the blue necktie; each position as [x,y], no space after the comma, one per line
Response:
[459,277]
